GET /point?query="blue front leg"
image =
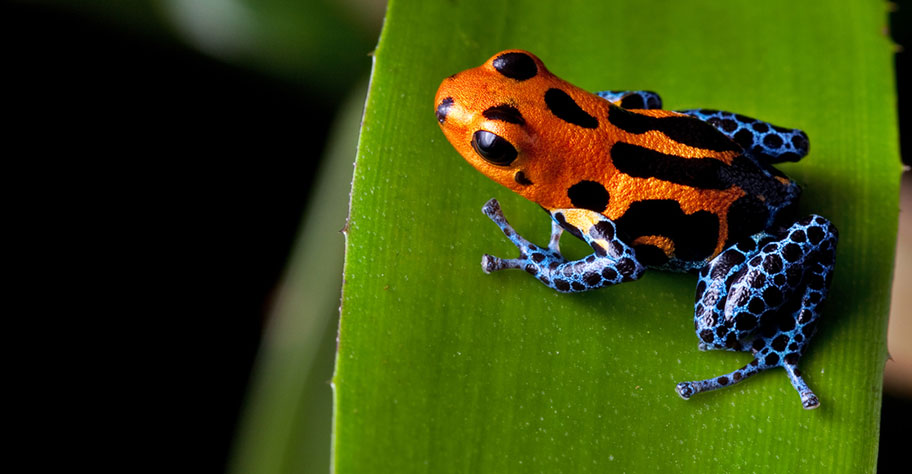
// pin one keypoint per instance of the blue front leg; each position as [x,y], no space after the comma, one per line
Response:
[612,262]
[763,296]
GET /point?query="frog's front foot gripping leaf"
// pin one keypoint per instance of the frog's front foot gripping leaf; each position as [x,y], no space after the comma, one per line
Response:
[762,295]
[612,261]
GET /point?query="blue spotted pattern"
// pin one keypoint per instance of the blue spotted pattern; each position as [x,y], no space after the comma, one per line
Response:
[633,99]
[762,295]
[612,262]
[761,140]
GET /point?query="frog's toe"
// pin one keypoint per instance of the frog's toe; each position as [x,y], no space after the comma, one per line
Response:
[492,209]
[809,401]
[490,263]
[689,389]
[685,390]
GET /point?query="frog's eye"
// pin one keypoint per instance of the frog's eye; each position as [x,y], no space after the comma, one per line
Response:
[493,148]
[515,65]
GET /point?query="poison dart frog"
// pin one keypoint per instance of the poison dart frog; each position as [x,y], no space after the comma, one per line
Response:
[689,190]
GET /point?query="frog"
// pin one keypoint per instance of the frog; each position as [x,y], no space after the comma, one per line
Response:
[646,188]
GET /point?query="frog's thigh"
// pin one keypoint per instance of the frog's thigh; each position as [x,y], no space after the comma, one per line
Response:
[765,284]
[716,328]
[763,295]
[762,140]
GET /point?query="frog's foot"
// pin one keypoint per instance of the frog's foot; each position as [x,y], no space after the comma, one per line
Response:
[689,389]
[762,296]
[808,400]
[613,261]
[532,258]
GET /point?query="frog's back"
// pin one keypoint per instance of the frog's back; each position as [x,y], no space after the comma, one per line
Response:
[683,209]
[679,190]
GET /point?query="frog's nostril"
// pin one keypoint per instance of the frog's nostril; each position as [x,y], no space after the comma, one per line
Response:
[443,109]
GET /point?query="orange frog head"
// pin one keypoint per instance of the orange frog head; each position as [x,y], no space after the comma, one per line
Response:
[500,117]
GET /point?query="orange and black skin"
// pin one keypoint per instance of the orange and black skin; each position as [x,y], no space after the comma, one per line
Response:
[679,190]
[650,187]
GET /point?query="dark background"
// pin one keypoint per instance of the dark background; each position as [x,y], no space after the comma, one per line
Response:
[199,181]
[179,180]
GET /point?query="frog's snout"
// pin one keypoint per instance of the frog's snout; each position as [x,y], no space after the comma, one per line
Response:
[443,108]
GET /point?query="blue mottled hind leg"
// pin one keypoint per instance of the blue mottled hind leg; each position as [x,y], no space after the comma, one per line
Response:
[761,140]
[762,295]
[612,262]
[632,99]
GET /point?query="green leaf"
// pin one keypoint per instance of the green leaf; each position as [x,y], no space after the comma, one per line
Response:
[441,368]
[286,423]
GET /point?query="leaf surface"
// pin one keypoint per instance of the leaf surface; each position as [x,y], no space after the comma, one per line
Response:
[442,368]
